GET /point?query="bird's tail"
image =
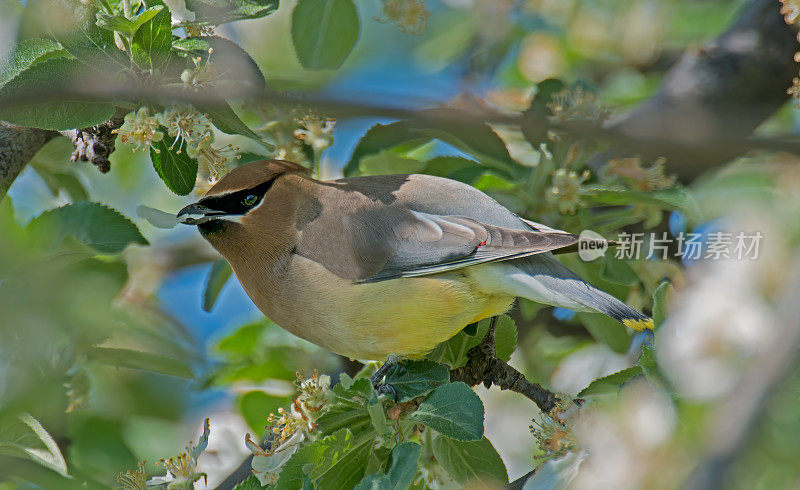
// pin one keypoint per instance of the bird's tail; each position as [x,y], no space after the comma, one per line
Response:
[544,279]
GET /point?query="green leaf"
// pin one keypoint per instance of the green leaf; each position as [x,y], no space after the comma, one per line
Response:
[452,126]
[73,25]
[611,383]
[411,379]
[324,32]
[45,453]
[377,415]
[678,198]
[256,406]
[453,351]
[474,461]
[175,167]
[100,227]
[217,278]
[339,460]
[215,12]
[127,26]
[47,79]
[144,361]
[505,337]
[223,117]
[456,168]
[453,410]
[152,42]
[27,53]
[388,163]
[606,330]
[660,300]
[617,270]
[57,181]
[534,120]
[231,61]
[401,471]
[249,483]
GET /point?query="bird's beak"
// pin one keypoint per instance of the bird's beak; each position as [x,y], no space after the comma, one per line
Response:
[195,214]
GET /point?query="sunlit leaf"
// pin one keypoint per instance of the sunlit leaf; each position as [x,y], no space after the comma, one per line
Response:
[401,472]
[215,12]
[153,41]
[25,54]
[453,410]
[660,302]
[470,461]
[606,330]
[324,32]
[611,383]
[144,361]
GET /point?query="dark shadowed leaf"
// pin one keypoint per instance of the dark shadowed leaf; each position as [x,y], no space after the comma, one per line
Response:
[324,32]
[217,278]
[175,167]
[617,270]
[678,198]
[144,361]
[100,227]
[534,118]
[606,330]
[453,351]
[233,64]
[472,461]
[223,117]
[505,337]
[453,410]
[336,461]
[411,379]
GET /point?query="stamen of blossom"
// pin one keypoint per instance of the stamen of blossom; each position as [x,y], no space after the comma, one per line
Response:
[411,16]
[315,131]
[133,480]
[641,178]
[203,75]
[184,122]
[313,392]
[566,189]
[578,104]
[140,129]
[214,162]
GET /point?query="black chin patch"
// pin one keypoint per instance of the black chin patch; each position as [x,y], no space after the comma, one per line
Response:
[212,226]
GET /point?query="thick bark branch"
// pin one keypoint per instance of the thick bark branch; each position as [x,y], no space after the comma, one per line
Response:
[17,147]
[721,92]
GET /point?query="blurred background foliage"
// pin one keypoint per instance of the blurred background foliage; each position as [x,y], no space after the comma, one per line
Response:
[113,353]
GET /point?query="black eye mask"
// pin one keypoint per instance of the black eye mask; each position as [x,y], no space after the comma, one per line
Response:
[239,202]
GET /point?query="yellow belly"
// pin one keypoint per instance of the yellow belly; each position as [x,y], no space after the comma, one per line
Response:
[406,317]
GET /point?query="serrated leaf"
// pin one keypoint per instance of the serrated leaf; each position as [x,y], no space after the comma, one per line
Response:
[611,383]
[606,330]
[177,170]
[127,26]
[505,337]
[411,379]
[678,198]
[215,12]
[401,472]
[249,483]
[453,410]
[660,300]
[27,53]
[217,278]
[73,25]
[145,361]
[324,32]
[152,42]
[472,461]
[47,79]
[338,460]
[226,120]
[100,227]
[47,454]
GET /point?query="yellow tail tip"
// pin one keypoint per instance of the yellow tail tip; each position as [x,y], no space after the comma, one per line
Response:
[638,325]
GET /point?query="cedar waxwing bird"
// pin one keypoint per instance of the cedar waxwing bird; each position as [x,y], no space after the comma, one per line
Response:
[374,266]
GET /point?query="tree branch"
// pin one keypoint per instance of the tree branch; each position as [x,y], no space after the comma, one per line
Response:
[483,366]
[720,92]
[17,147]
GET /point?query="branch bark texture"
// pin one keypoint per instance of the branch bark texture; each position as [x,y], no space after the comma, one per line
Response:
[17,147]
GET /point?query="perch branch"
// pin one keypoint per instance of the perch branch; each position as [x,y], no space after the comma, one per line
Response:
[483,366]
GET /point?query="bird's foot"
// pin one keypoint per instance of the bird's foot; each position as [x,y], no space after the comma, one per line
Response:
[377,379]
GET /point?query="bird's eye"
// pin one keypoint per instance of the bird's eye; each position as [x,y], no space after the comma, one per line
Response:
[250,200]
